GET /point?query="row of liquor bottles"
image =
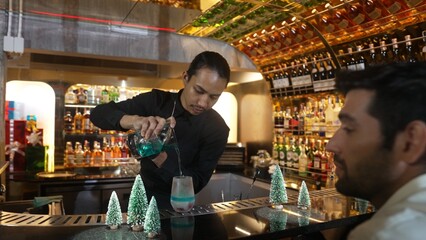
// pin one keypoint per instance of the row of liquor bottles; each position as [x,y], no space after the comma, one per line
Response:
[304,156]
[338,21]
[112,151]
[96,94]
[307,71]
[308,115]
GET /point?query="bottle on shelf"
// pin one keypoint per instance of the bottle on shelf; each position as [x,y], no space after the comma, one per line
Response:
[87,154]
[91,98]
[97,154]
[87,124]
[282,152]
[330,68]
[314,70]
[78,122]
[105,95]
[106,149]
[350,62]
[70,96]
[81,96]
[384,56]
[409,52]
[68,122]
[69,159]
[373,59]
[359,59]
[79,154]
[303,161]
[396,56]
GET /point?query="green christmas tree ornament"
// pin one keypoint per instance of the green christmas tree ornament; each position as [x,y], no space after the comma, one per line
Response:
[152,225]
[278,192]
[138,204]
[114,216]
[304,201]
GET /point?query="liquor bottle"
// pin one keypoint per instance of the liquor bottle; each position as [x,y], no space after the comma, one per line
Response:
[321,117]
[396,56]
[330,67]
[98,94]
[79,154]
[340,18]
[87,154]
[91,99]
[409,52]
[113,93]
[302,114]
[350,62]
[290,153]
[303,161]
[343,61]
[294,122]
[317,160]
[308,119]
[285,37]
[87,125]
[314,70]
[356,13]
[359,59]
[282,152]
[321,69]
[373,59]
[324,162]
[81,96]
[70,96]
[329,114]
[68,122]
[394,7]
[78,122]
[124,150]
[105,95]
[276,44]
[384,57]
[69,159]
[414,3]
[373,9]
[287,120]
[275,148]
[296,154]
[106,149]
[97,154]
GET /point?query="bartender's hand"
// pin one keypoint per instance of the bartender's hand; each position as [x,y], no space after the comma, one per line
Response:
[146,125]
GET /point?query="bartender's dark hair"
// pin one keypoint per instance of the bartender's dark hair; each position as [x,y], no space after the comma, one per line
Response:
[211,60]
[400,94]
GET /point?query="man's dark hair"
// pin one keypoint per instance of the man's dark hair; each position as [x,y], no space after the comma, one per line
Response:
[211,60]
[400,94]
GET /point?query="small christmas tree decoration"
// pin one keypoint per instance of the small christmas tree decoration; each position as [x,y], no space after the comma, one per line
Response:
[303,218]
[152,225]
[278,192]
[304,201]
[138,204]
[277,220]
[114,217]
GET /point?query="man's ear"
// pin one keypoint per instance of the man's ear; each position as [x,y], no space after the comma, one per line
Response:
[413,142]
[185,77]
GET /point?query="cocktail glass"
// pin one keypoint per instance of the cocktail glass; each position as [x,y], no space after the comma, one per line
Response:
[182,196]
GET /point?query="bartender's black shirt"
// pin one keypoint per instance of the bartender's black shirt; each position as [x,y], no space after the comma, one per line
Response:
[201,138]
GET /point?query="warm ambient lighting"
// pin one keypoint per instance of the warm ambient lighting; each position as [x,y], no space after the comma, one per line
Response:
[299,215]
[105,21]
[242,231]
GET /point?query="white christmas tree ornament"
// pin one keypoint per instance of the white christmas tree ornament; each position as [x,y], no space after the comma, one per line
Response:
[138,204]
[278,192]
[152,225]
[114,217]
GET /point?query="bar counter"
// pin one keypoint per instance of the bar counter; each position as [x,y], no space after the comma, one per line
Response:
[252,218]
[244,219]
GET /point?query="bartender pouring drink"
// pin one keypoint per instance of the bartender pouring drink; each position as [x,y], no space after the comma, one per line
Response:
[200,131]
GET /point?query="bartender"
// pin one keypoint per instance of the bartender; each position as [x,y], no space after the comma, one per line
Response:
[200,131]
